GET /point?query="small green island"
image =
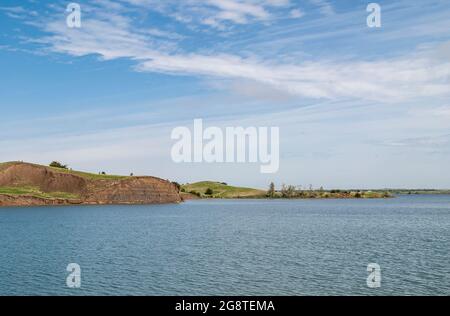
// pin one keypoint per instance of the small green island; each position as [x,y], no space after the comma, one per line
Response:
[221,190]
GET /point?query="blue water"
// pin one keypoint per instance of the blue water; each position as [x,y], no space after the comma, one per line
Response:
[238,247]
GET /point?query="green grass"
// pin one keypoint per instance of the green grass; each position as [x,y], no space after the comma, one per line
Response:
[35,192]
[87,175]
[418,191]
[221,190]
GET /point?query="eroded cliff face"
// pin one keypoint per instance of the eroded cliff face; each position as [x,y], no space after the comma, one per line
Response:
[127,190]
[14,200]
[46,179]
[134,190]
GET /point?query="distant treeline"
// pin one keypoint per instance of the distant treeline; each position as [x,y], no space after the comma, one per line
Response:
[293,192]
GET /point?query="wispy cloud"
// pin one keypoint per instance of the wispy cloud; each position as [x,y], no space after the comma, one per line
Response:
[113,35]
[324,6]
[312,67]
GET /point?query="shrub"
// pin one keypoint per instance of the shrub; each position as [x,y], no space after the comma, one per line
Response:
[271,192]
[56,164]
[209,191]
[177,185]
[287,191]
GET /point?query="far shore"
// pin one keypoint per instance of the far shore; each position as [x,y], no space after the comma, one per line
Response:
[26,184]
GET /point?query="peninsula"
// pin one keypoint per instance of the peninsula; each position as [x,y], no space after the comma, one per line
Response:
[26,184]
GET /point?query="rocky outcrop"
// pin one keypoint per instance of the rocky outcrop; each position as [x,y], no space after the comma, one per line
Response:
[88,190]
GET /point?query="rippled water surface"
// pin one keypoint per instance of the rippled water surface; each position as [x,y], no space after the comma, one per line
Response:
[245,247]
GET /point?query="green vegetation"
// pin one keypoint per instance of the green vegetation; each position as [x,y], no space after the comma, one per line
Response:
[416,191]
[89,176]
[292,192]
[271,192]
[35,192]
[86,175]
[57,164]
[177,185]
[220,190]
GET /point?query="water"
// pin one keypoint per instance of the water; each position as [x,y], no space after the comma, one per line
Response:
[245,247]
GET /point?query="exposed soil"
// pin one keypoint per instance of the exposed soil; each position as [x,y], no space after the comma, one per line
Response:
[127,190]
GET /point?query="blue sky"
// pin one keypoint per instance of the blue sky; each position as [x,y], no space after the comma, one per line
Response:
[356,106]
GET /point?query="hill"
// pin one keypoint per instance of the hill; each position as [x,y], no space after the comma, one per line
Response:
[218,190]
[221,190]
[30,184]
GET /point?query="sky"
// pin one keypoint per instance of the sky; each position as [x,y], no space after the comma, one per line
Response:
[357,107]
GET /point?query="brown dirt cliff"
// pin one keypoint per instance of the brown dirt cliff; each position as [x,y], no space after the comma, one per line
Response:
[64,187]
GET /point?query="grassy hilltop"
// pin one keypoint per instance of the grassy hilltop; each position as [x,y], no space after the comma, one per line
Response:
[85,175]
[35,191]
[220,190]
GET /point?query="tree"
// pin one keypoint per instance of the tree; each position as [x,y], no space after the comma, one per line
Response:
[56,164]
[209,191]
[178,186]
[288,191]
[271,192]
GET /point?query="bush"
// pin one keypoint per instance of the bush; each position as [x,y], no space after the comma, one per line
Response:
[177,185]
[288,191]
[271,191]
[209,191]
[56,164]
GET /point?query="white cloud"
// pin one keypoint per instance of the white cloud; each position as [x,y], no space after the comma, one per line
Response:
[296,13]
[215,13]
[113,35]
[324,6]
